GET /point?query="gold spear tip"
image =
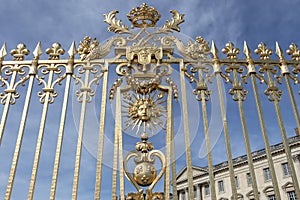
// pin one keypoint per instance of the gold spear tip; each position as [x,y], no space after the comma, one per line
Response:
[214,50]
[37,51]
[246,50]
[72,51]
[279,51]
[3,51]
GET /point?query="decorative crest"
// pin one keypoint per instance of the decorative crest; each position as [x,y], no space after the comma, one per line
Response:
[263,51]
[294,51]
[143,16]
[55,51]
[19,52]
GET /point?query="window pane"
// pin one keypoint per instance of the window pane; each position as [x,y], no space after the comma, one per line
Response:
[249,179]
[292,195]
[221,186]
[195,192]
[237,182]
[267,174]
[207,192]
[285,168]
[271,197]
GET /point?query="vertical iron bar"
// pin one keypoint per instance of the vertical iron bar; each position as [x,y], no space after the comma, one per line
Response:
[19,140]
[60,138]
[287,148]
[207,140]
[186,131]
[168,145]
[7,105]
[101,137]
[292,98]
[118,131]
[246,137]
[116,150]
[80,136]
[248,149]
[174,183]
[226,134]
[39,141]
[265,137]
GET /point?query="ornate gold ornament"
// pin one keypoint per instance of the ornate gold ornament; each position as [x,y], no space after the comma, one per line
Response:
[144,16]
[145,112]
[144,60]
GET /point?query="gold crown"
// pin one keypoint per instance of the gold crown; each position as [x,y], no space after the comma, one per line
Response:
[144,16]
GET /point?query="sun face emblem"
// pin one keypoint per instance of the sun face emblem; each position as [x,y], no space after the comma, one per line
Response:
[145,112]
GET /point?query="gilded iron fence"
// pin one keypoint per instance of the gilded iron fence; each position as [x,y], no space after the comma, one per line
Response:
[144,61]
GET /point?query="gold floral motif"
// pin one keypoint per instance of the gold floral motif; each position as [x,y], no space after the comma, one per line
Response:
[263,51]
[86,46]
[19,52]
[55,51]
[294,51]
[231,51]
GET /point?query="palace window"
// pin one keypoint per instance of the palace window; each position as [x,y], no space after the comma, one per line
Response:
[249,179]
[221,186]
[285,169]
[271,197]
[237,182]
[267,174]
[292,195]
[206,190]
[195,192]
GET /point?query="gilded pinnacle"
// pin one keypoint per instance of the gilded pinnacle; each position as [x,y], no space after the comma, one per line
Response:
[37,51]
[3,51]
[279,51]
[214,50]
[247,51]
[72,51]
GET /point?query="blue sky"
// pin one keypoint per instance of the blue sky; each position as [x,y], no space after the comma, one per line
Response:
[66,21]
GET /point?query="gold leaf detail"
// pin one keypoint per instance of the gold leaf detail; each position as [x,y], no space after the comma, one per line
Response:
[174,23]
[115,25]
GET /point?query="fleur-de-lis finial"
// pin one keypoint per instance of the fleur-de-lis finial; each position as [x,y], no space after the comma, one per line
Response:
[55,51]
[294,51]
[230,50]
[19,52]
[263,51]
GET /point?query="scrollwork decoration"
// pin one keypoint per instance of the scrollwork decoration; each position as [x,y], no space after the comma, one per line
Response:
[174,23]
[115,25]
[97,71]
